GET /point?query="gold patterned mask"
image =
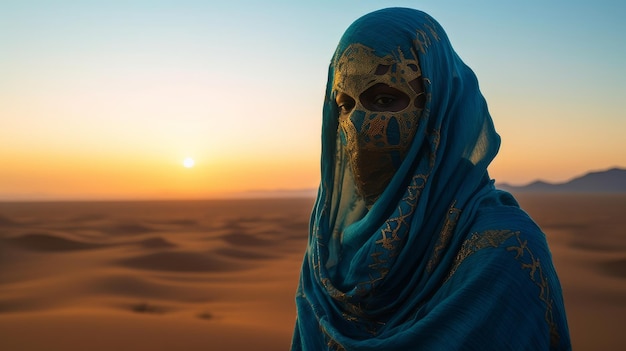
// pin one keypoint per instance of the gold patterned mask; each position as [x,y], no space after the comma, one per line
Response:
[380,100]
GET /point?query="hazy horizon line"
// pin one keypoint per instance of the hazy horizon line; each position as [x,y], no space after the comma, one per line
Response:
[249,194]
[244,195]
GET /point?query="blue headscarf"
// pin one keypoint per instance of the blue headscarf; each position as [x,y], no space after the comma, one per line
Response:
[441,260]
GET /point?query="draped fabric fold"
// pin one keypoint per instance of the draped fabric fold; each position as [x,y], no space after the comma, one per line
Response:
[441,260]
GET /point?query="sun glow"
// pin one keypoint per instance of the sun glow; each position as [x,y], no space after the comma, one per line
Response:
[189,162]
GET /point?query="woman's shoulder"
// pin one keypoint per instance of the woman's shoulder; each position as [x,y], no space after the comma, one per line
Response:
[501,211]
[505,255]
[502,225]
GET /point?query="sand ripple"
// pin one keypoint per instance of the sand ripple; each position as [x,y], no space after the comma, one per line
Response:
[615,267]
[181,261]
[156,243]
[245,254]
[130,229]
[50,243]
[244,239]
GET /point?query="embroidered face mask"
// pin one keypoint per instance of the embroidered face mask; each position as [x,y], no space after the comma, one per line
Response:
[380,100]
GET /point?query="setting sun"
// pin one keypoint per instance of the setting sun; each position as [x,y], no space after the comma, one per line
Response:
[189,162]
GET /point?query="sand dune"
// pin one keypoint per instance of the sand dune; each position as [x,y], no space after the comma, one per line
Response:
[150,276]
[204,275]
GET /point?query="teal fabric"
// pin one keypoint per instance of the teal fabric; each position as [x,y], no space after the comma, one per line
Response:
[442,260]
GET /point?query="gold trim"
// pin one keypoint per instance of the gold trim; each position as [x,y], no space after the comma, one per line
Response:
[444,236]
[527,260]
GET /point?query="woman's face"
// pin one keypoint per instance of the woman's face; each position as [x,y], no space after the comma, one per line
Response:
[380,100]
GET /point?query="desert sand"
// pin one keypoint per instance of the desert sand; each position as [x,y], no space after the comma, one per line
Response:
[221,275]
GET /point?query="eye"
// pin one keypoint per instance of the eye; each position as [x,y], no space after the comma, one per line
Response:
[345,103]
[384,100]
[381,97]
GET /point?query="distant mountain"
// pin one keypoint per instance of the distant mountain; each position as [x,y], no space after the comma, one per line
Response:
[609,181]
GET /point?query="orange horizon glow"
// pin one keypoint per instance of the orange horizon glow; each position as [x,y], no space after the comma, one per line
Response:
[134,177]
[84,177]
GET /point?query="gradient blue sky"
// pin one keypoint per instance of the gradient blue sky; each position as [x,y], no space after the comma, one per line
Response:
[104,99]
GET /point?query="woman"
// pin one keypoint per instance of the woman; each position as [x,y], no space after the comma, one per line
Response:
[410,246]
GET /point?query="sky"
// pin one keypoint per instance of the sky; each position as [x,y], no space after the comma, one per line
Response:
[106,99]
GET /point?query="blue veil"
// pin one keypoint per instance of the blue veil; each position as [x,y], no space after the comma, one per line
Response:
[442,260]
